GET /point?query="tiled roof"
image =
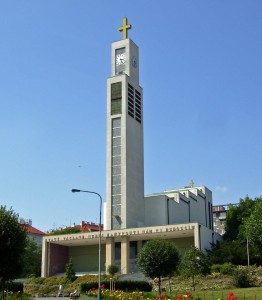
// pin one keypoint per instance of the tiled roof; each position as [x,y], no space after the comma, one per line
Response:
[32,230]
[89,227]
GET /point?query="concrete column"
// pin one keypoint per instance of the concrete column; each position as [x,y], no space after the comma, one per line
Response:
[45,270]
[124,255]
[44,259]
[110,251]
[197,236]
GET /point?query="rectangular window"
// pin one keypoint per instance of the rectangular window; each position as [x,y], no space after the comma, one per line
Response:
[116,160]
[116,98]
[116,170]
[116,122]
[116,141]
[117,251]
[116,179]
[116,106]
[116,90]
[116,189]
[133,250]
[116,151]
[116,200]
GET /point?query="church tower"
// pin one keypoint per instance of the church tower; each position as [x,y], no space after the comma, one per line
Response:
[125,154]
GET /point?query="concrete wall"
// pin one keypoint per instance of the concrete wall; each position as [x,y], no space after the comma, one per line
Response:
[185,205]
[208,236]
[58,259]
[85,258]
[183,244]
[155,210]
[178,212]
[133,167]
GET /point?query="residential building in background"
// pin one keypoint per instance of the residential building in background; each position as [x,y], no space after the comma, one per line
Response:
[219,217]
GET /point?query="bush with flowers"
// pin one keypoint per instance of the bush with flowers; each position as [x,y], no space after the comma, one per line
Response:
[186,296]
[231,296]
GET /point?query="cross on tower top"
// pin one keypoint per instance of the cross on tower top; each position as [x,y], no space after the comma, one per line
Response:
[124,28]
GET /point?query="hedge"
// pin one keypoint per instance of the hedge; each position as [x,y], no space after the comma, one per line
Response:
[14,287]
[126,285]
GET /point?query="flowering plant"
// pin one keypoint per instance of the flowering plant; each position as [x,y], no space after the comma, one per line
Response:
[186,296]
[161,297]
[231,296]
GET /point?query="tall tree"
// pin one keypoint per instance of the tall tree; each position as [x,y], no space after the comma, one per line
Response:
[195,262]
[158,258]
[233,248]
[236,216]
[31,259]
[253,227]
[12,244]
[70,272]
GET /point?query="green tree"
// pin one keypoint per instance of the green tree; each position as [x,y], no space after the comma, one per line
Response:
[158,258]
[112,270]
[12,244]
[70,273]
[228,251]
[68,230]
[31,259]
[233,248]
[236,216]
[195,262]
[253,227]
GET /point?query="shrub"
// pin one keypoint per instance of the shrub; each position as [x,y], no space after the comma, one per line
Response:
[86,286]
[227,268]
[215,268]
[120,285]
[36,280]
[14,286]
[70,272]
[112,270]
[242,278]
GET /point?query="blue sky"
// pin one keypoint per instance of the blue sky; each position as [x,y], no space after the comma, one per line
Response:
[200,68]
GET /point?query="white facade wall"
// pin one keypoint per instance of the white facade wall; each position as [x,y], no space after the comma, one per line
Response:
[184,205]
[156,210]
[206,237]
[178,212]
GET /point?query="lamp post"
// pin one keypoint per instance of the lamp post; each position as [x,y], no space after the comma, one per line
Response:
[99,248]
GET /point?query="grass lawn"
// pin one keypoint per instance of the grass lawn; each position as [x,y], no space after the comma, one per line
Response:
[242,294]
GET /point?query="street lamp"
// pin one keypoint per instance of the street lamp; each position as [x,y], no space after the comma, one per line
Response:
[99,248]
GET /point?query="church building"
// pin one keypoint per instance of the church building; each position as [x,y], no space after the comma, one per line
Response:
[183,216]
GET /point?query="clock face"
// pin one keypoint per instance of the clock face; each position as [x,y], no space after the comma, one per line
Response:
[120,59]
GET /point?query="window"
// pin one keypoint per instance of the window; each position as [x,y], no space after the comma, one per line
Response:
[116,98]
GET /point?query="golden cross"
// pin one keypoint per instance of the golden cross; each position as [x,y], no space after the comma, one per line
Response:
[124,28]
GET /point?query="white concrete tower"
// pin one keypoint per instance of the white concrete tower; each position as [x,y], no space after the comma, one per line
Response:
[125,154]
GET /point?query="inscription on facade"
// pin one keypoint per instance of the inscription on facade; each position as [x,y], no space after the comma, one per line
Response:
[117,233]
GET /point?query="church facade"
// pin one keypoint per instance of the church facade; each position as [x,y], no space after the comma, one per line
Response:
[183,216]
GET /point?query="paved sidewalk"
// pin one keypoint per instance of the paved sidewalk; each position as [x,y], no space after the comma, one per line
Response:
[82,297]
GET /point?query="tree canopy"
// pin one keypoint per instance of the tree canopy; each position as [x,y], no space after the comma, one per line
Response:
[195,262]
[253,226]
[68,230]
[236,215]
[158,258]
[12,244]
[243,223]
[31,259]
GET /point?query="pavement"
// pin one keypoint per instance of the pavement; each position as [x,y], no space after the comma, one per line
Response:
[82,297]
